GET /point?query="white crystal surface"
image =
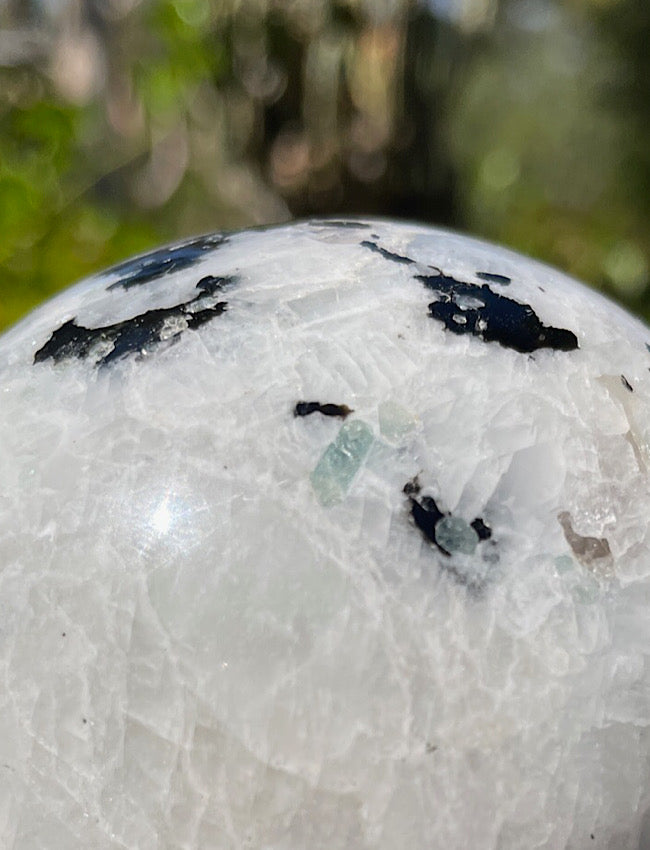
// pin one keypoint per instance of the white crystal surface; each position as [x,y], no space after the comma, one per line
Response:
[221,625]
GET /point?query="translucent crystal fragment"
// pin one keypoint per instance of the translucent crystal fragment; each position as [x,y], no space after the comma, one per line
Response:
[564,564]
[395,422]
[455,535]
[340,462]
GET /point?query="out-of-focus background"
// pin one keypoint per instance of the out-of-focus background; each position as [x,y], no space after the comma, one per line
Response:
[127,123]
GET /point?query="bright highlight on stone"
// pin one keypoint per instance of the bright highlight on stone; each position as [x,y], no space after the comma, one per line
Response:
[330,536]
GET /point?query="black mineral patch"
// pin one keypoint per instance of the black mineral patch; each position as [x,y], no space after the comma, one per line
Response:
[426,515]
[306,408]
[163,261]
[387,255]
[137,335]
[627,384]
[209,284]
[484,531]
[466,308]
[492,277]
[412,487]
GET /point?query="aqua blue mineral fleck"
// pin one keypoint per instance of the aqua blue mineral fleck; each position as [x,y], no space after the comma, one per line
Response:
[564,564]
[395,422]
[340,462]
[456,535]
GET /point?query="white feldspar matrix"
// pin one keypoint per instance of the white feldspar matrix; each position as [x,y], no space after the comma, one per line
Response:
[330,536]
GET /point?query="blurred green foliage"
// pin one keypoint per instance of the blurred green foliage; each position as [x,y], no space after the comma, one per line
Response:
[127,123]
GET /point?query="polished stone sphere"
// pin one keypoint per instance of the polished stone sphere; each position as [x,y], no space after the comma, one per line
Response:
[331,535]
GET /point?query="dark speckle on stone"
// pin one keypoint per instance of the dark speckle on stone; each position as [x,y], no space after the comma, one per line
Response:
[387,255]
[306,408]
[627,384]
[164,261]
[412,487]
[137,335]
[484,531]
[492,317]
[211,284]
[426,515]
[492,277]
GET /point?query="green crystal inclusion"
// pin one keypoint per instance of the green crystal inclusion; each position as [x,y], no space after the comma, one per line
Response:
[340,462]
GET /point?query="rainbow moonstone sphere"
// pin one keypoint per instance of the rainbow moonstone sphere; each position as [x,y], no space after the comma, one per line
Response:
[331,535]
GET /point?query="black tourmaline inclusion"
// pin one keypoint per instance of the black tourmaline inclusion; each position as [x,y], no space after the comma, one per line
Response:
[465,308]
[468,308]
[306,408]
[387,255]
[163,261]
[137,335]
[493,277]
